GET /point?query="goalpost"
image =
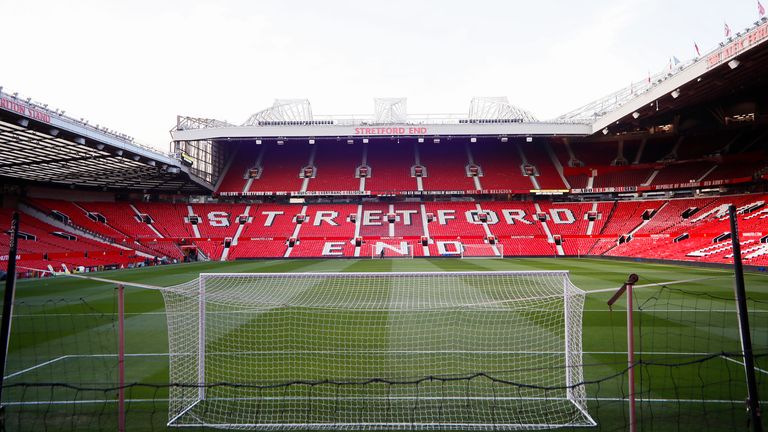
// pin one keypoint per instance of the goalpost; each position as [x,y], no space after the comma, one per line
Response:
[482,250]
[362,351]
[402,249]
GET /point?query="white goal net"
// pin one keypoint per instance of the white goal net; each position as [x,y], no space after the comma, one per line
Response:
[361,351]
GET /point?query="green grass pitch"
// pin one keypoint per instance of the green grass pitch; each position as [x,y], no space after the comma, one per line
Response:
[65,332]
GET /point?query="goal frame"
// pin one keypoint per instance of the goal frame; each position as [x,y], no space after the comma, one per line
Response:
[573,390]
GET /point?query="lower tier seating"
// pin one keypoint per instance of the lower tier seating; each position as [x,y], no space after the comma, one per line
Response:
[677,229]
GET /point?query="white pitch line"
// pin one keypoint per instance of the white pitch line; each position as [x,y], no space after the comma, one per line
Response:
[656,284]
[36,366]
[742,364]
[139,355]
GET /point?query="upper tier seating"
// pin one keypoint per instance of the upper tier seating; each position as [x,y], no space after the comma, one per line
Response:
[336,164]
[281,167]
[446,164]
[536,154]
[501,165]
[244,158]
[390,163]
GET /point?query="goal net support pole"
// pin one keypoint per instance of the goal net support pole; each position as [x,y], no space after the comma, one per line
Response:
[10,292]
[627,288]
[753,403]
[121,358]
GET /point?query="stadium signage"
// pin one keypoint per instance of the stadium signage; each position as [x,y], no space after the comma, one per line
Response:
[20,108]
[413,130]
[6,257]
[738,46]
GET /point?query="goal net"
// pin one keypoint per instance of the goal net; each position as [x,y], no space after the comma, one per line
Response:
[482,250]
[401,249]
[361,351]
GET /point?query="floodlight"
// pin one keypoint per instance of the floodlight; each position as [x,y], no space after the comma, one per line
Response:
[136,158]
[675,93]
[421,140]
[79,140]
[23,122]
[53,132]
[436,140]
[365,140]
[733,64]
[473,139]
[258,142]
[349,141]
[311,141]
[635,114]
[528,139]
[100,146]
[504,139]
[605,131]
[280,142]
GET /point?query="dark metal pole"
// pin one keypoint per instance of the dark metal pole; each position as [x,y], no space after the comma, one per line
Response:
[746,341]
[10,291]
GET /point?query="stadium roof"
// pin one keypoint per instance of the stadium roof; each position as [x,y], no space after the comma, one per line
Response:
[43,146]
[739,63]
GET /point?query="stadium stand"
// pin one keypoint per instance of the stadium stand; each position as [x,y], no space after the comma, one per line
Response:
[687,229]
[336,165]
[501,164]
[446,165]
[281,167]
[391,163]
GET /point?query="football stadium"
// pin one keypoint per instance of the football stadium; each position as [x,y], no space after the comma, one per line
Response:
[601,270]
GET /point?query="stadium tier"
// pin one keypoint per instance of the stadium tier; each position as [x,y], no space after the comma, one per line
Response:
[692,229]
[489,165]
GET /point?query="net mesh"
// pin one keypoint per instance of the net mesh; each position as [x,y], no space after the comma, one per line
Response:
[480,350]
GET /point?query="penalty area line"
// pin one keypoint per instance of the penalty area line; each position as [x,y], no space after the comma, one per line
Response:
[763,371]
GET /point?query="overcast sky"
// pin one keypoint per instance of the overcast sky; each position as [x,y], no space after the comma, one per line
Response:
[134,65]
